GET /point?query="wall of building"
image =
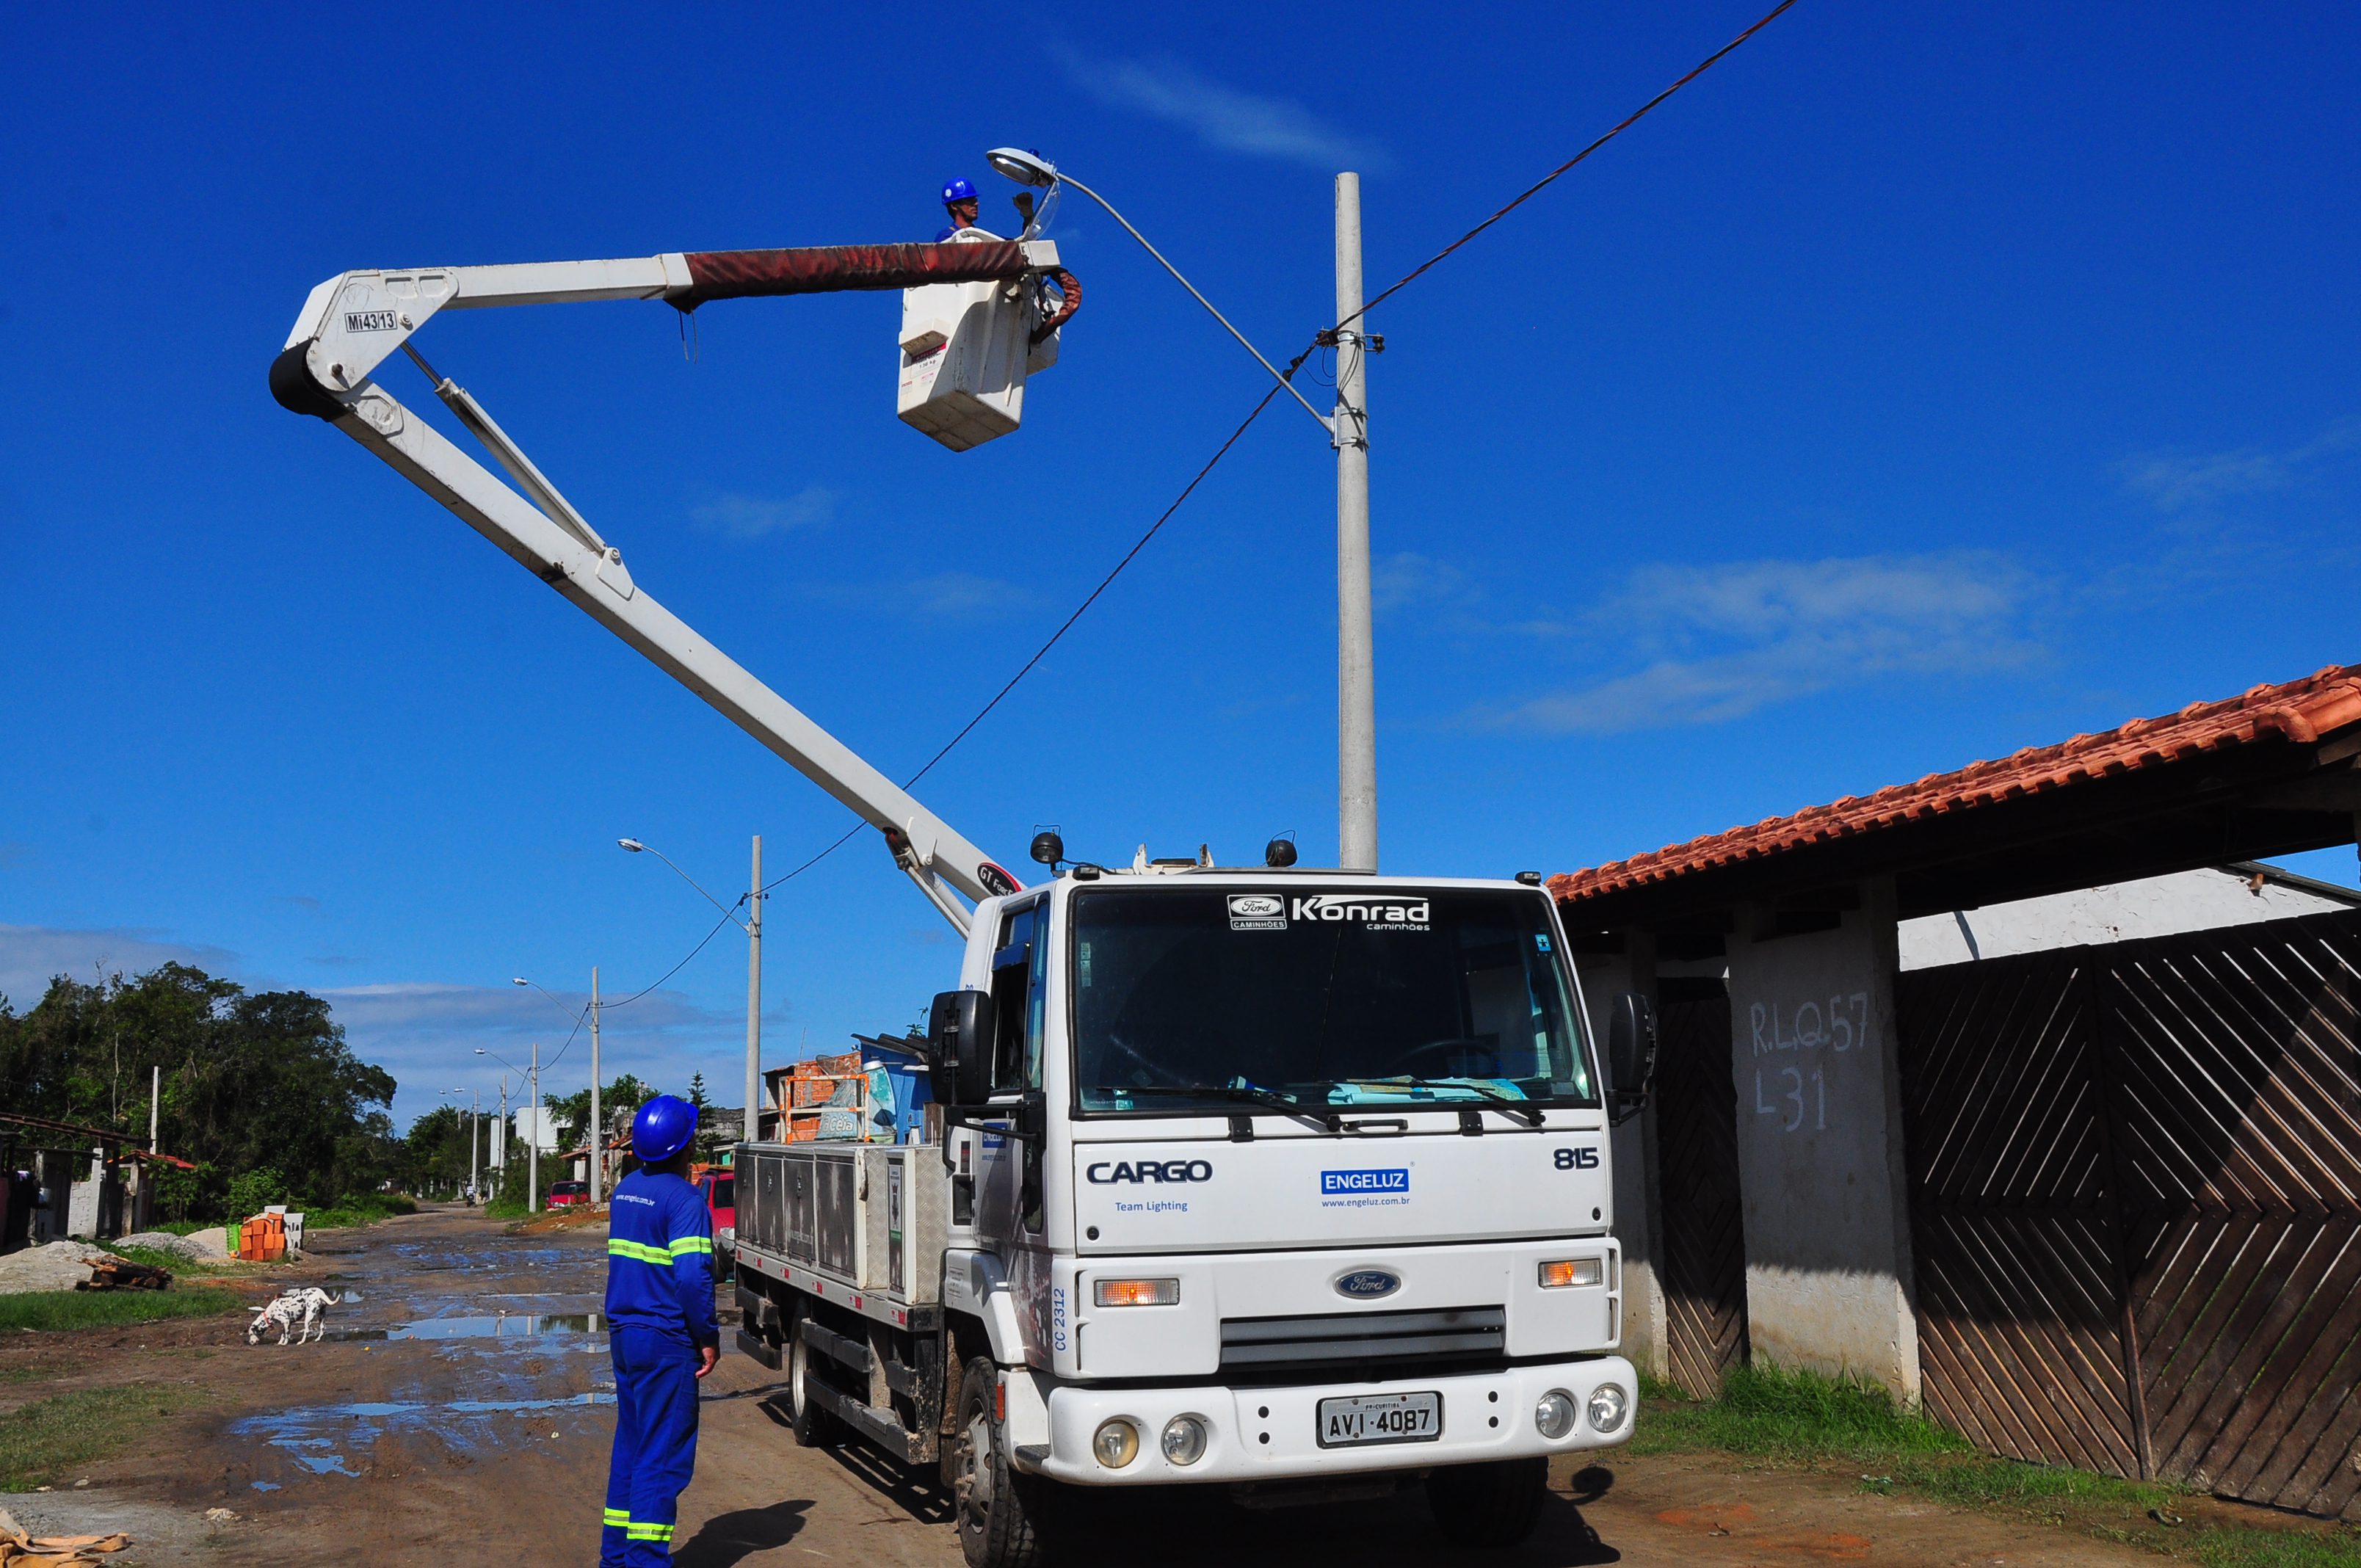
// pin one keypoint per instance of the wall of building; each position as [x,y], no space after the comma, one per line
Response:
[1819,1146]
[1631,1151]
[2117,912]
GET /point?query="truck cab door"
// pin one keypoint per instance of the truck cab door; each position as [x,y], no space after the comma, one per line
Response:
[1009,1211]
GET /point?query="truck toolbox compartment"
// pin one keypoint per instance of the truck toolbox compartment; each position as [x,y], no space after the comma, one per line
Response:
[872,1216]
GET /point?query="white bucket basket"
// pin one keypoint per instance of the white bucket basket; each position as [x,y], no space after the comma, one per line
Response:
[965,356]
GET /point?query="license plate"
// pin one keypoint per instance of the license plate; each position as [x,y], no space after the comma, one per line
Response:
[1364,1419]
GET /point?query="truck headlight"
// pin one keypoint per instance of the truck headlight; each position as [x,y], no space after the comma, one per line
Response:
[1572,1271]
[1607,1406]
[1554,1414]
[1117,1443]
[1184,1439]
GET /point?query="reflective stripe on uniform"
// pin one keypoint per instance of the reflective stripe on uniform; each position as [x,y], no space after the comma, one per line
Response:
[618,1247]
[618,1518]
[650,1531]
[691,1244]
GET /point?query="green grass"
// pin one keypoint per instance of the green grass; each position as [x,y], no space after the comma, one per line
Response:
[180,1267]
[43,1443]
[359,1209]
[51,1311]
[1849,1427]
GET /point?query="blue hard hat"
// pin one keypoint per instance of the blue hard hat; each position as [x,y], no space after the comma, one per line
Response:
[958,190]
[663,1128]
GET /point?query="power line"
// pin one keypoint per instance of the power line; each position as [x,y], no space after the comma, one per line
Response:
[1536,188]
[728,917]
[1068,624]
[1634,118]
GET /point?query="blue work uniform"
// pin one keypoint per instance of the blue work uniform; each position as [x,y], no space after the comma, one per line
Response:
[659,1311]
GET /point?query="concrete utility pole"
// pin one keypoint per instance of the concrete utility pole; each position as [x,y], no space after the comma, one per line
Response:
[1356,697]
[533,1144]
[597,1127]
[475,1127]
[155,1100]
[501,1143]
[754,997]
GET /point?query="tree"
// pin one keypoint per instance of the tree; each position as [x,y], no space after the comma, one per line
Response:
[249,1080]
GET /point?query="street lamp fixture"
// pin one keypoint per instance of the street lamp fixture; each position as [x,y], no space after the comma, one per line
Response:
[752,927]
[1348,434]
[1028,168]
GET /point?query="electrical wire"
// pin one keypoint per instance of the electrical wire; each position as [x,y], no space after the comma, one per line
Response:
[1285,380]
[728,918]
[1068,624]
[1536,188]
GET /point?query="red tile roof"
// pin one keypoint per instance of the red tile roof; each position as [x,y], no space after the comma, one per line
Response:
[2299,711]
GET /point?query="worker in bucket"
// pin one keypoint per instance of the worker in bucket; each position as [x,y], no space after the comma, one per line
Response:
[959,201]
[661,1332]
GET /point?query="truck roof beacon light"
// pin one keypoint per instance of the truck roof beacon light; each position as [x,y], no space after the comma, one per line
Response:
[1278,854]
[1048,848]
[1022,165]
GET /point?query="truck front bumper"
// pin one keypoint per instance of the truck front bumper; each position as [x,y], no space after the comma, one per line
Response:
[1272,1434]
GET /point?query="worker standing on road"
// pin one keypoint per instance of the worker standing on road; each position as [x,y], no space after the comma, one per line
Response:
[662,1332]
[959,201]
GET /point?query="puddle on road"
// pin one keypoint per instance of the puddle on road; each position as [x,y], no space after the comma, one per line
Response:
[303,1431]
[500,1325]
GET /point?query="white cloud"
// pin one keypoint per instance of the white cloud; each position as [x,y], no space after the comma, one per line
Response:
[1222,118]
[966,597]
[1722,641]
[426,1034]
[1410,581]
[749,517]
[31,955]
[2177,482]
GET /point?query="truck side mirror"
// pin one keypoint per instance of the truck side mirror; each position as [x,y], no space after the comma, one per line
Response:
[1631,1056]
[959,1040]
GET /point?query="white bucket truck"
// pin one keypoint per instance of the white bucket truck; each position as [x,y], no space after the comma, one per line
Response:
[1292,1179]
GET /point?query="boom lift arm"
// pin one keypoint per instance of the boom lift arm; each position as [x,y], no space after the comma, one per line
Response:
[353,323]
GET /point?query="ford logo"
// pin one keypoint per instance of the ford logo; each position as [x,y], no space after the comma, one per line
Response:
[1368,1284]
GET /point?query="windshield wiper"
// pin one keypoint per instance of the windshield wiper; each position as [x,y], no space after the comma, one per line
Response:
[1515,1105]
[1248,1093]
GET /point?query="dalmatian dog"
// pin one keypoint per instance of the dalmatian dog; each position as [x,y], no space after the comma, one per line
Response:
[297,1314]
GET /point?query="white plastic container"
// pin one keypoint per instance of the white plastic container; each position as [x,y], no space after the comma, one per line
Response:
[964,357]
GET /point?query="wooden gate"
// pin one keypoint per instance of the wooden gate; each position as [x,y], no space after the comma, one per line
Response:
[2136,1206]
[1696,1153]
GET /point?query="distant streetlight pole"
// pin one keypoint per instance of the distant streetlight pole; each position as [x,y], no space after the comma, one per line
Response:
[598,1137]
[1348,434]
[752,927]
[598,1126]
[533,1143]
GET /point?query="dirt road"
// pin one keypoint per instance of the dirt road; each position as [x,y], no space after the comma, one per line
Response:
[461,1410]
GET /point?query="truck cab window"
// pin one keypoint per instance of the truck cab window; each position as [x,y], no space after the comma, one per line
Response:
[1013,1002]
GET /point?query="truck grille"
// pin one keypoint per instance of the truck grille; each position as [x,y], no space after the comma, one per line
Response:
[1457,1333]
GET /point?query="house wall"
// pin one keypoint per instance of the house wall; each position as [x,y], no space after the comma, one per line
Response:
[1819,1146]
[2118,912]
[1631,1150]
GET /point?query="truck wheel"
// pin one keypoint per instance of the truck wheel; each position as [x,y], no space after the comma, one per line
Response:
[998,1510]
[1496,1504]
[813,1426]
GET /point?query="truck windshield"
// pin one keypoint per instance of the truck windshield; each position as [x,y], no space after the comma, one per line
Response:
[1189,1000]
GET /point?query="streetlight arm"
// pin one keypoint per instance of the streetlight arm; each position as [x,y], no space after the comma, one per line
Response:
[1201,299]
[730,910]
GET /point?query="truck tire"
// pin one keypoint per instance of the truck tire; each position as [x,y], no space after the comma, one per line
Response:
[1494,1504]
[814,1426]
[998,1510]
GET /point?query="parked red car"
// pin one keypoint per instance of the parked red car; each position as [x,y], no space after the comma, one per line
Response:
[720,1190]
[567,1194]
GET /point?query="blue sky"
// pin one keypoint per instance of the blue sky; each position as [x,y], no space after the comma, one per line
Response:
[1923,383]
